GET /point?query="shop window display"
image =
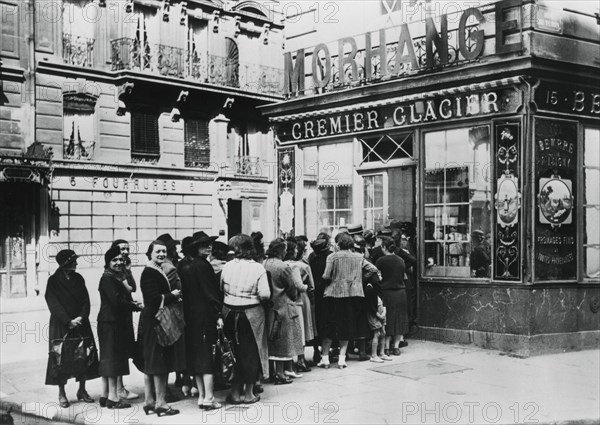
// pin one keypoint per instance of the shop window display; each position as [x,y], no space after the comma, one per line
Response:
[591,242]
[457,203]
[335,206]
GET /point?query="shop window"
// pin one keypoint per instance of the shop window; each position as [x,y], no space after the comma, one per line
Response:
[591,203]
[335,203]
[197,143]
[386,148]
[457,203]
[373,201]
[79,134]
[145,145]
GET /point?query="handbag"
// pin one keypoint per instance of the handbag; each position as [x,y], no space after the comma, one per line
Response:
[170,323]
[73,356]
[224,357]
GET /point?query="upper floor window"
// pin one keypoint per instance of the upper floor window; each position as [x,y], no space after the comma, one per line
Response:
[79,32]
[458,204]
[79,126]
[145,144]
[197,143]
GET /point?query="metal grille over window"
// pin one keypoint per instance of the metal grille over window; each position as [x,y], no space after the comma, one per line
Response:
[384,148]
[79,136]
[145,145]
[197,143]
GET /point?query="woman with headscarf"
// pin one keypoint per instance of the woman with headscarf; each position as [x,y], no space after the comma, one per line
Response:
[159,361]
[202,311]
[245,287]
[69,304]
[284,318]
[115,328]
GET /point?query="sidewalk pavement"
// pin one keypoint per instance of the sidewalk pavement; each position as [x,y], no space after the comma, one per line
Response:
[430,383]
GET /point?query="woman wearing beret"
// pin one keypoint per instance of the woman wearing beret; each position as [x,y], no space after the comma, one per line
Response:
[115,327]
[69,304]
[159,361]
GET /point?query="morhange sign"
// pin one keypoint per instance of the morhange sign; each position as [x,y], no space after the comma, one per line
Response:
[437,51]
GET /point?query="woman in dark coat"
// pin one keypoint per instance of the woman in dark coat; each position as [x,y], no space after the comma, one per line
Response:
[202,310]
[69,304]
[158,360]
[115,328]
[393,295]
[317,261]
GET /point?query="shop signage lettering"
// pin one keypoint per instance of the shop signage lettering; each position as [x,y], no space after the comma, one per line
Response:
[400,115]
[125,184]
[568,99]
[470,47]
[555,185]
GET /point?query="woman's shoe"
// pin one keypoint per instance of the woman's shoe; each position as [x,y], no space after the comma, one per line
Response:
[376,359]
[149,409]
[63,402]
[230,400]
[395,352]
[83,395]
[185,389]
[211,405]
[103,401]
[258,389]
[342,365]
[292,374]
[281,380]
[256,399]
[385,357]
[163,411]
[323,364]
[302,367]
[117,404]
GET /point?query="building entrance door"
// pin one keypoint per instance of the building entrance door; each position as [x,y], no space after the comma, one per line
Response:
[13,224]
[234,217]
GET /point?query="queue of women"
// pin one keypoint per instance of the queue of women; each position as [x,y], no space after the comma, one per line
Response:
[271,305]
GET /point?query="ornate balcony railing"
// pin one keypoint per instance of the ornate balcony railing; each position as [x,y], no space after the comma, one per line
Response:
[78,50]
[129,53]
[247,165]
[78,149]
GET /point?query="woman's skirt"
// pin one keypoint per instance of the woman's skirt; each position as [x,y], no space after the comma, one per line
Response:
[116,344]
[308,317]
[363,330]
[340,317]
[159,360]
[247,366]
[396,304]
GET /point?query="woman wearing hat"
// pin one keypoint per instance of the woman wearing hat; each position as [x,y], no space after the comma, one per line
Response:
[115,327]
[159,361]
[69,304]
[202,312]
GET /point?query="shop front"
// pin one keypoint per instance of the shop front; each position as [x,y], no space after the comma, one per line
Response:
[493,158]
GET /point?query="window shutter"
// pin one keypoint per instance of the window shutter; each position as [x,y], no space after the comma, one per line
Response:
[197,143]
[144,134]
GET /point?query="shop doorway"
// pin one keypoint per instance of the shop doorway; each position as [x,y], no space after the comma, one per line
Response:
[234,217]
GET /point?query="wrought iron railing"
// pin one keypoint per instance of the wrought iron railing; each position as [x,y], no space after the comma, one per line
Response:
[78,50]
[247,165]
[130,53]
[78,149]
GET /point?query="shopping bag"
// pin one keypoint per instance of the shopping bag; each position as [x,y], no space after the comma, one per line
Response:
[170,323]
[71,355]
[224,357]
